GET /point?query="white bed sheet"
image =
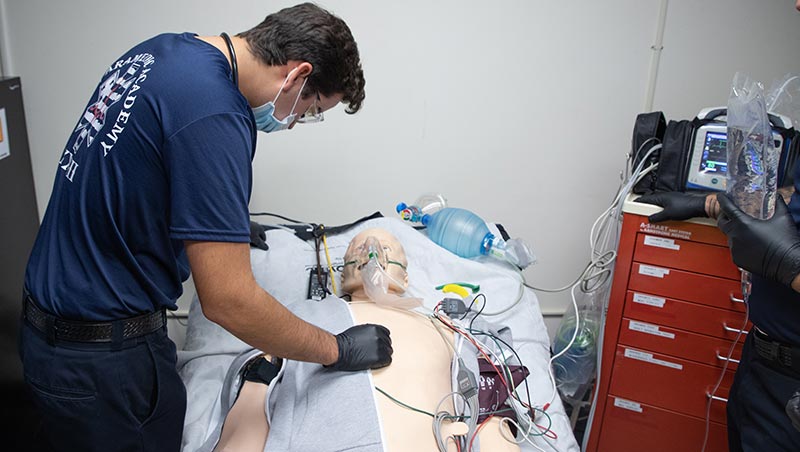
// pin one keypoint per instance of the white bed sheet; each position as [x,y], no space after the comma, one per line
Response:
[283,271]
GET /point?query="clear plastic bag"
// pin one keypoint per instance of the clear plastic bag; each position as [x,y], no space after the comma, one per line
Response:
[752,158]
[574,370]
[784,98]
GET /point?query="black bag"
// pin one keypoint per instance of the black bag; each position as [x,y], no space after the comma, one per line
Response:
[677,138]
[672,167]
[647,132]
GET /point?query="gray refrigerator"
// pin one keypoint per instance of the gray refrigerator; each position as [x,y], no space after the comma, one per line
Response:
[19,222]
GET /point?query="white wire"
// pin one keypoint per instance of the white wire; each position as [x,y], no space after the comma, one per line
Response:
[519,409]
[619,199]
[564,350]
[520,294]
[525,437]
[724,369]
[602,234]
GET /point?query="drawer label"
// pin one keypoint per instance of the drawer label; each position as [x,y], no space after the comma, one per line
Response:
[627,405]
[649,300]
[660,229]
[649,270]
[649,329]
[661,242]
[648,358]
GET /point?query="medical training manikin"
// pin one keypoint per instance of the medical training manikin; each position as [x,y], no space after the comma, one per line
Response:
[375,276]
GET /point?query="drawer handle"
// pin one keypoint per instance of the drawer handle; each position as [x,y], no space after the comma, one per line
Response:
[733,330]
[736,300]
[717,398]
[723,358]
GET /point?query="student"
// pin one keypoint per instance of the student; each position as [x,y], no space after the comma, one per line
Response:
[153,182]
[763,404]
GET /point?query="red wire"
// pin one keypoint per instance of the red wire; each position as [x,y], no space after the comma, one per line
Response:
[480,349]
[546,431]
[478,430]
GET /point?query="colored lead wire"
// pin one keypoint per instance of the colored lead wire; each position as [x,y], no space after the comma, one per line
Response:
[328,258]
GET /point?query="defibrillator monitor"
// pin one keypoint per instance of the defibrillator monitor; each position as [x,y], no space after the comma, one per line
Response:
[709,157]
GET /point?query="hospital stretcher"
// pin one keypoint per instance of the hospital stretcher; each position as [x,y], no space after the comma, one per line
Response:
[211,354]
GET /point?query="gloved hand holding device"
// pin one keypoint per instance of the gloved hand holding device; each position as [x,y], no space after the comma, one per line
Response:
[258,238]
[677,205]
[363,347]
[769,248]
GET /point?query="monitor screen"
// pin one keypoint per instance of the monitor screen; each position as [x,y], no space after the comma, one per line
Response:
[715,154]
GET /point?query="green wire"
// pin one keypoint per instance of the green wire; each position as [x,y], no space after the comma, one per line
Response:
[514,389]
[461,418]
[474,287]
[403,404]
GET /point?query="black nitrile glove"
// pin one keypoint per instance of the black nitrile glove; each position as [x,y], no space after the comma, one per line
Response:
[677,205]
[258,238]
[769,248]
[363,347]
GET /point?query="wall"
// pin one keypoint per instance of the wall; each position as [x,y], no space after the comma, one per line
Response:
[519,110]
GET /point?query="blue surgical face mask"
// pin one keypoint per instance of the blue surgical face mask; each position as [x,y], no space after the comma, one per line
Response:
[265,114]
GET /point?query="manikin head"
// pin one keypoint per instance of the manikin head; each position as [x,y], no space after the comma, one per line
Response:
[394,263]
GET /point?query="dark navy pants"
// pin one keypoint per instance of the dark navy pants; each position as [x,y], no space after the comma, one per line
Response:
[102,397]
[757,419]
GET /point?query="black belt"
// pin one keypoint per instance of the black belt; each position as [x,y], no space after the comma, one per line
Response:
[56,328]
[778,352]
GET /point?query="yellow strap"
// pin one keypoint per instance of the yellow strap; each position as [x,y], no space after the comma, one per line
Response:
[456,289]
[328,258]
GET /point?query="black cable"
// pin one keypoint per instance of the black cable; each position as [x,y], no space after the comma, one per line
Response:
[472,304]
[479,310]
[317,243]
[177,318]
[519,360]
[268,214]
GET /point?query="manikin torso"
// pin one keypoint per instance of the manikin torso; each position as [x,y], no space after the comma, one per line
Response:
[420,373]
[419,376]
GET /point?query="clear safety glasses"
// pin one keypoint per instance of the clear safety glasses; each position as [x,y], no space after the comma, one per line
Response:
[313,114]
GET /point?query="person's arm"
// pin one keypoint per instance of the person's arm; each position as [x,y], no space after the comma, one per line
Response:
[230,297]
[769,248]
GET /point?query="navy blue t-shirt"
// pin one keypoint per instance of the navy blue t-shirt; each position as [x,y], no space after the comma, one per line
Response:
[162,153]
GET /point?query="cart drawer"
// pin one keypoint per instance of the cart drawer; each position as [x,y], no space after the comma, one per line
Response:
[682,344]
[683,315]
[668,382]
[631,426]
[682,285]
[685,255]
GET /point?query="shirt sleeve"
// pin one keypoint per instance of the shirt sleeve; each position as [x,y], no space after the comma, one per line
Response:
[209,168]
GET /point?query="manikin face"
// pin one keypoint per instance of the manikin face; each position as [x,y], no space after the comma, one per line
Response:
[354,258]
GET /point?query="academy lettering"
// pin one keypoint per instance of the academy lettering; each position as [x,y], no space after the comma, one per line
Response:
[122,118]
[121,82]
[145,58]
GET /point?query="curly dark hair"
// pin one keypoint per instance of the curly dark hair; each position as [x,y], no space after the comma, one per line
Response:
[307,32]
